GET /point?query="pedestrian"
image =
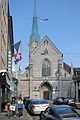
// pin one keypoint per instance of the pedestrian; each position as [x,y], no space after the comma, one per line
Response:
[13,105]
[20,107]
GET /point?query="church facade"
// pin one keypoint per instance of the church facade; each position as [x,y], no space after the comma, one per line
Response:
[47,76]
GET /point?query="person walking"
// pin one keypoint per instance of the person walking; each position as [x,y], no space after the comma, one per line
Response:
[20,107]
[13,105]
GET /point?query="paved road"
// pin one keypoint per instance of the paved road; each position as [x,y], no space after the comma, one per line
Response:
[4,116]
[26,116]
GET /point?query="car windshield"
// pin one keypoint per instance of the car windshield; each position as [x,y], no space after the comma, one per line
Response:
[40,102]
[72,100]
[64,110]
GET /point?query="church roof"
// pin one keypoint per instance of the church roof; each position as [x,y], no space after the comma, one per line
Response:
[67,67]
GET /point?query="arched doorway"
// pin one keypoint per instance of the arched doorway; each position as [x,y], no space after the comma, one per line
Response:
[46,91]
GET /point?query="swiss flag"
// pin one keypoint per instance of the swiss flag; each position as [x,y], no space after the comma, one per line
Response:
[17,57]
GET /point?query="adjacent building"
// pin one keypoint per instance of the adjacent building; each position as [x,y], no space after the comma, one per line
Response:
[6,51]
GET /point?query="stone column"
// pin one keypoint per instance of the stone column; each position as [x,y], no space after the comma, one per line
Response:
[30,79]
[61,84]
[77,90]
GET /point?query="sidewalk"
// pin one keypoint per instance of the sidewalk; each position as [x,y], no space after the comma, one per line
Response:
[26,116]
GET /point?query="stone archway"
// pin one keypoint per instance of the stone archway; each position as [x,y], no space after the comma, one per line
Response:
[46,91]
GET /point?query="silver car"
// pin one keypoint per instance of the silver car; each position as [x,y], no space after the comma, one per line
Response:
[36,106]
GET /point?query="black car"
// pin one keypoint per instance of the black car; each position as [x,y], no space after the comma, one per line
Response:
[70,101]
[59,112]
[58,100]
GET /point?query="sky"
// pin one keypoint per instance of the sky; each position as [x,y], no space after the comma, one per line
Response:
[62,27]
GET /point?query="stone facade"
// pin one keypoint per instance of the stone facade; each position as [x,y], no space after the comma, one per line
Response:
[47,76]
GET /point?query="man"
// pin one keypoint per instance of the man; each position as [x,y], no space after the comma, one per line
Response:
[20,107]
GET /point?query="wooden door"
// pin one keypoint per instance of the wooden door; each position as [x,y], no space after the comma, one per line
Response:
[46,95]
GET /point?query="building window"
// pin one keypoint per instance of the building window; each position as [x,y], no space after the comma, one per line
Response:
[46,68]
[65,74]
[26,74]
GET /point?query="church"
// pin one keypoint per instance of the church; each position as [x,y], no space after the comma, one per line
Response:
[47,75]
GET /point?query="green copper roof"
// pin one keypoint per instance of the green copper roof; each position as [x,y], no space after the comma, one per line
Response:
[34,34]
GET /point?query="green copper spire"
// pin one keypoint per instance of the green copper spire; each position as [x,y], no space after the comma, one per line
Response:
[34,34]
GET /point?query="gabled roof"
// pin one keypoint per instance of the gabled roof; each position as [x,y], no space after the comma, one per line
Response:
[76,69]
[67,67]
[46,38]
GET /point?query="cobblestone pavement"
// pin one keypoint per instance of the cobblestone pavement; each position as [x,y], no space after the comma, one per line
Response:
[26,116]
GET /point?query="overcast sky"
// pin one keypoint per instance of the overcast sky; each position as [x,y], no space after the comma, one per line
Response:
[62,27]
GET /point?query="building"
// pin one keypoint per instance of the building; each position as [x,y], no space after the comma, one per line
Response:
[76,79]
[47,76]
[6,51]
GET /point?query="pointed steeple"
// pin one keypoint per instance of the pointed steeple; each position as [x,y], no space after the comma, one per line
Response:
[34,35]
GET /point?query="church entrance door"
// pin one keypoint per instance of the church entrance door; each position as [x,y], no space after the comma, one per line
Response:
[46,91]
[46,95]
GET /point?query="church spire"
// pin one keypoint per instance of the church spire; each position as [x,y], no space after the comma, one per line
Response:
[34,34]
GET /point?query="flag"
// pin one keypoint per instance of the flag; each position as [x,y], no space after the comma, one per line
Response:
[43,19]
[18,46]
[17,57]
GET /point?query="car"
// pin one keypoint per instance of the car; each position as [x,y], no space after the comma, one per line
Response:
[70,101]
[36,106]
[77,106]
[59,112]
[66,100]
[58,100]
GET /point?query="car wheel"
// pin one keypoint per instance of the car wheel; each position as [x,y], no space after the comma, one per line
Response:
[31,111]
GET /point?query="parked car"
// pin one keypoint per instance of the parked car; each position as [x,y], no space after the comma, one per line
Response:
[36,106]
[59,112]
[77,106]
[66,100]
[58,100]
[70,101]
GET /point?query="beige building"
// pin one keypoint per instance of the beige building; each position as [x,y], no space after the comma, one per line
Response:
[6,51]
[3,33]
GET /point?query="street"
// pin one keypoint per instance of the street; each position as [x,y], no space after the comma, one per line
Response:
[26,116]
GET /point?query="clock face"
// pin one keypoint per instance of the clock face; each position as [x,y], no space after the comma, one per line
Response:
[34,44]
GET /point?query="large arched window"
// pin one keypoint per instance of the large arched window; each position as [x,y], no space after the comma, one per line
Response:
[46,68]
